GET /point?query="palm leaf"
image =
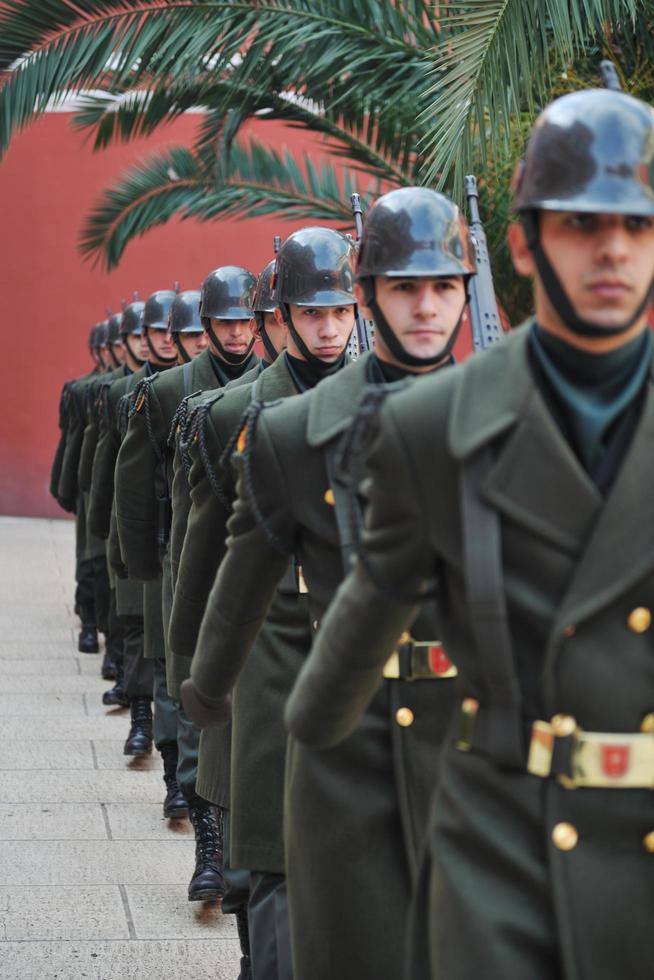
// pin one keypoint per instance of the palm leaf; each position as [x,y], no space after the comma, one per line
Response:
[496,59]
[180,184]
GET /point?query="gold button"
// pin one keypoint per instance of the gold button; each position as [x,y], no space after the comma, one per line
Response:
[648,842]
[315,624]
[569,630]
[329,497]
[647,724]
[639,619]
[565,836]
[563,725]
[404,717]
[404,638]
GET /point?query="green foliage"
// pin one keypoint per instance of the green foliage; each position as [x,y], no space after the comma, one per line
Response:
[400,93]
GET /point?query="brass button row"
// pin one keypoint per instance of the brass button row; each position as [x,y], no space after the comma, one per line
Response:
[404,717]
[639,620]
[565,836]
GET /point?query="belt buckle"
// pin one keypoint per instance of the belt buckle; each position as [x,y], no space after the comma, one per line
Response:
[429,661]
[612,761]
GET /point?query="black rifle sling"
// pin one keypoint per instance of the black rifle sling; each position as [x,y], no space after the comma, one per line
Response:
[342,506]
[486,602]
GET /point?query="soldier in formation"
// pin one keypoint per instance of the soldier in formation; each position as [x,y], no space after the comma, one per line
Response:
[437,577]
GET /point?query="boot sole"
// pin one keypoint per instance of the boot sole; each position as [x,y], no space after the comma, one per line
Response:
[179,813]
[138,753]
[208,895]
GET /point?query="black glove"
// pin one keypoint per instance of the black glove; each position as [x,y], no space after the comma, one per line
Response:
[201,712]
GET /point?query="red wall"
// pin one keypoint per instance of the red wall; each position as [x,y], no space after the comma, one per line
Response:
[50,297]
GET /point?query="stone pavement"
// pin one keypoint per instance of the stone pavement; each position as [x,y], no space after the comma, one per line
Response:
[92,879]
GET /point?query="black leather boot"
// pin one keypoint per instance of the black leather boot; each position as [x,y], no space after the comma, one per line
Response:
[139,740]
[109,666]
[116,694]
[175,806]
[87,641]
[207,882]
[244,940]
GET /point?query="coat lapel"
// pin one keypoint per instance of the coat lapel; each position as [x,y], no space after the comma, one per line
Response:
[333,403]
[620,550]
[275,382]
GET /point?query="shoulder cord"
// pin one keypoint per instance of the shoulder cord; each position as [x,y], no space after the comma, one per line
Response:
[350,468]
[200,420]
[143,390]
[247,428]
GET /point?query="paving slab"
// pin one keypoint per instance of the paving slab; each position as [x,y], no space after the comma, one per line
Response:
[94,786]
[60,667]
[113,724]
[55,912]
[109,755]
[52,821]
[211,959]
[42,650]
[41,706]
[144,821]
[27,754]
[105,862]
[160,912]
[57,632]
[51,682]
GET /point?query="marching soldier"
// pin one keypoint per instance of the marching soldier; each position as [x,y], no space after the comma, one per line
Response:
[92,592]
[520,487]
[314,280]
[143,513]
[145,335]
[354,816]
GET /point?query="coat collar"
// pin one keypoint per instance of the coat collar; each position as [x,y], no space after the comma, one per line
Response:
[492,392]
[274,382]
[333,403]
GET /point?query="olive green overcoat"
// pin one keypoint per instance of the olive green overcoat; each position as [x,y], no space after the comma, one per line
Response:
[524,877]
[370,795]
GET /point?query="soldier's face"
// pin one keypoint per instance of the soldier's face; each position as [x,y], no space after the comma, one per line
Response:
[276,332]
[119,352]
[423,313]
[324,329]
[193,343]
[604,262]
[234,335]
[136,350]
[162,344]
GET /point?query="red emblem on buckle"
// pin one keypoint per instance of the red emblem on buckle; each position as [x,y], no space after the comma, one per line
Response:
[615,760]
[438,662]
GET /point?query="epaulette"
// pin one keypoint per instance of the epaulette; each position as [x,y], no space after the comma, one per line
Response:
[122,414]
[240,447]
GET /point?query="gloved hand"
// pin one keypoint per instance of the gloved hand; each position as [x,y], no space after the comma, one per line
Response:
[201,712]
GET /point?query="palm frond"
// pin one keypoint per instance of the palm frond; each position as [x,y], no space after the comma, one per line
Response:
[494,60]
[109,44]
[179,184]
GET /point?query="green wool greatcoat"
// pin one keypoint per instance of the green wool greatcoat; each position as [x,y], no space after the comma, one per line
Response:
[523,876]
[258,733]
[355,815]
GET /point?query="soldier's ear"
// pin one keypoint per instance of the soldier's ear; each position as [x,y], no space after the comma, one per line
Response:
[359,295]
[521,255]
[279,318]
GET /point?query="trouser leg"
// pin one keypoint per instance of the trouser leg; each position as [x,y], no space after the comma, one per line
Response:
[188,748]
[237,879]
[269,931]
[139,672]
[165,708]
[85,592]
[101,592]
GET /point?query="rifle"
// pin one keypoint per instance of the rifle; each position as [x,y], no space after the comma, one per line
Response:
[609,76]
[482,305]
[365,328]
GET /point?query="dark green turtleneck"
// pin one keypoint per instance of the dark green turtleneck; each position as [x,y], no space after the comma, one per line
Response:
[595,398]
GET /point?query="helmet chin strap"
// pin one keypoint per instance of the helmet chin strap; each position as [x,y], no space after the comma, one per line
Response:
[265,339]
[234,359]
[392,341]
[185,357]
[158,357]
[558,296]
[138,360]
[310,357]
[113,357]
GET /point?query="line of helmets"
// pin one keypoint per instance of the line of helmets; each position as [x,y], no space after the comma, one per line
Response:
[589,151]
[411,231]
